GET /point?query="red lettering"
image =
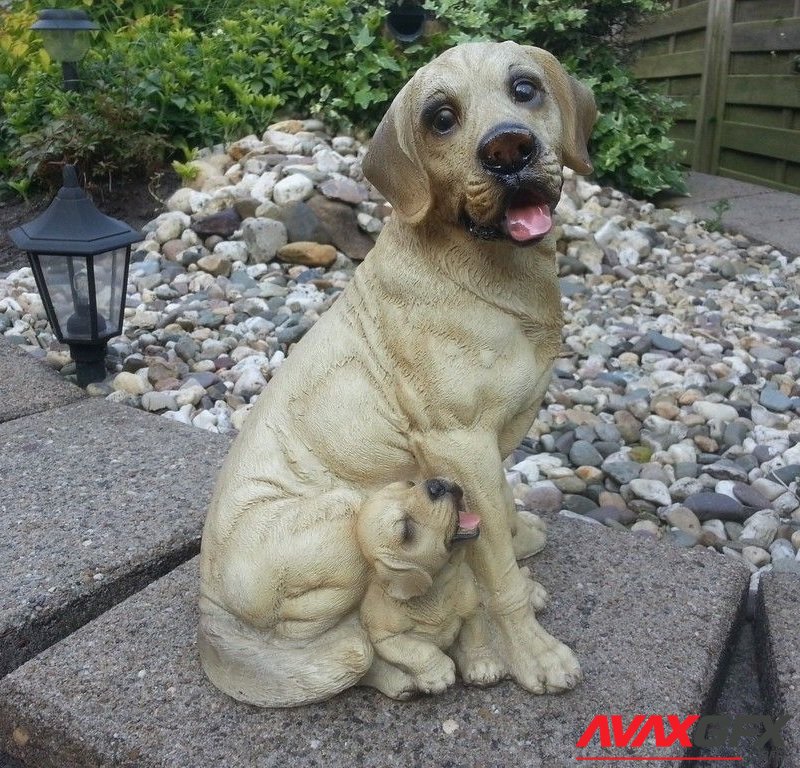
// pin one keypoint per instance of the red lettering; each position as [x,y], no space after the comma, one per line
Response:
[603,726]
[680,731]
[654,724]
[598,725]
[622,737]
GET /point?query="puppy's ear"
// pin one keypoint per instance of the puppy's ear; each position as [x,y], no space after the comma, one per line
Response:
[578,111]
[403,580]
[393,165]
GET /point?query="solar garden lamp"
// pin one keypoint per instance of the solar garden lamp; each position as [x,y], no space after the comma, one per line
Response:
[80,258]
[66,38]
[405,21]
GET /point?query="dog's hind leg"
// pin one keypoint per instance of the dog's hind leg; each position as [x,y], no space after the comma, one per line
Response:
[528,534]
[261,669]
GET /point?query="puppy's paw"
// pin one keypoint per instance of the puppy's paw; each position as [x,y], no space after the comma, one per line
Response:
[389,680]
[530,536]
[483,669]
[438,678]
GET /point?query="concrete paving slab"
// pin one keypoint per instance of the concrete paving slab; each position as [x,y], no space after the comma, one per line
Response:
[778,642]
[704,186]
[741,695]
[650,623]
[29,386]
[760,213]
[97,500]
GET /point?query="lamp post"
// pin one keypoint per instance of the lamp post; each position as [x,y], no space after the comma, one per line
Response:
[65,34]
[80,259]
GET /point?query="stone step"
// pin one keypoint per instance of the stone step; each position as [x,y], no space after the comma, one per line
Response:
[97,501]
[778,643]
[28,385]
[649,622]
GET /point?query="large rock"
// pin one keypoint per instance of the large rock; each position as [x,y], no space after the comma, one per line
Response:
[264,238]
[224,223]
[128,691]
[310,254]
[339,187]
[341,222]
[291,189]
[302,224]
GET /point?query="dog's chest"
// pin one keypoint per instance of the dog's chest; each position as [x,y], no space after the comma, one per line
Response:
[486,365]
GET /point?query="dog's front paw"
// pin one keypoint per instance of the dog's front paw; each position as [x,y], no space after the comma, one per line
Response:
[537,661]
[562,672]
[530,536]
[438,678]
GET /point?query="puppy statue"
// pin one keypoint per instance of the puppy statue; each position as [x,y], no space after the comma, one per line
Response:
[421,591]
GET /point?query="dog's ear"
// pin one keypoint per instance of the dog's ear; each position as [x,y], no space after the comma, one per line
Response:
[392,163]
[403,580]
[578,111]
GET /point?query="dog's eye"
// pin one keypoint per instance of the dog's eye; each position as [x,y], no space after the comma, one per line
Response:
[408,530]
[524,91]
[444,120]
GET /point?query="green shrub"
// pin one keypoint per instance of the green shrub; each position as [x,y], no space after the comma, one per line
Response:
[196,73]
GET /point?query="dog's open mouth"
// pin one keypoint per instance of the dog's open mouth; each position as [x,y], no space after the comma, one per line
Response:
[527,218]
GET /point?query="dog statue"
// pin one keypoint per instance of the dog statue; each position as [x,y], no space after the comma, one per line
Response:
[431,364]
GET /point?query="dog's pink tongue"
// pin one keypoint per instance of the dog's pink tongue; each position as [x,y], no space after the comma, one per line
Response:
[524,222]
[468,521]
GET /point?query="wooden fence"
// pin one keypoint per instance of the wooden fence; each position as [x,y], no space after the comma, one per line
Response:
[735,66]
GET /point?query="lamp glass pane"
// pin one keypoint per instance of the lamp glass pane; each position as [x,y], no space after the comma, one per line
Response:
[65,44]
[66,280]
[109,273]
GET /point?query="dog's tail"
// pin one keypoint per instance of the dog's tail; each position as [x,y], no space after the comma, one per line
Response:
[266,671]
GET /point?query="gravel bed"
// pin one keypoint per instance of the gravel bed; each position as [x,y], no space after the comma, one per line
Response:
[674,410]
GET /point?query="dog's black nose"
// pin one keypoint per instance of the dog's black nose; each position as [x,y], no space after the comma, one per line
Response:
[507,149]
[437,487]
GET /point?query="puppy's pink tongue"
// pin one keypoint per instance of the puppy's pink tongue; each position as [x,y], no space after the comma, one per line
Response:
[467,521]
[524,222]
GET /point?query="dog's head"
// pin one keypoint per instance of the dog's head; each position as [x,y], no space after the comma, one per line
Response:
[479,136]
[406,532]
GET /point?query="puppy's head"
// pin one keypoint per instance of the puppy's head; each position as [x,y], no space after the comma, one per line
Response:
[479,137]
[407,530]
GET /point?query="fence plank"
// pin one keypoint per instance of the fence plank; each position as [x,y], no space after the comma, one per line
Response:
[733,174]
[687,107]
[771,142]
[759,10]
[774,35]
[683,150]
[679,20]
[770,90]
[669,65]
[712,91]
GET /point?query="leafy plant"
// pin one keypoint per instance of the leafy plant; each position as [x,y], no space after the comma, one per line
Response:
[720,208]
[196,73]
[186,171]
[21,186]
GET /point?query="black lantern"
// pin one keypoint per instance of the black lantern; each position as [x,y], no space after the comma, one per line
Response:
[80,261]
[65,35]
[405,21]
